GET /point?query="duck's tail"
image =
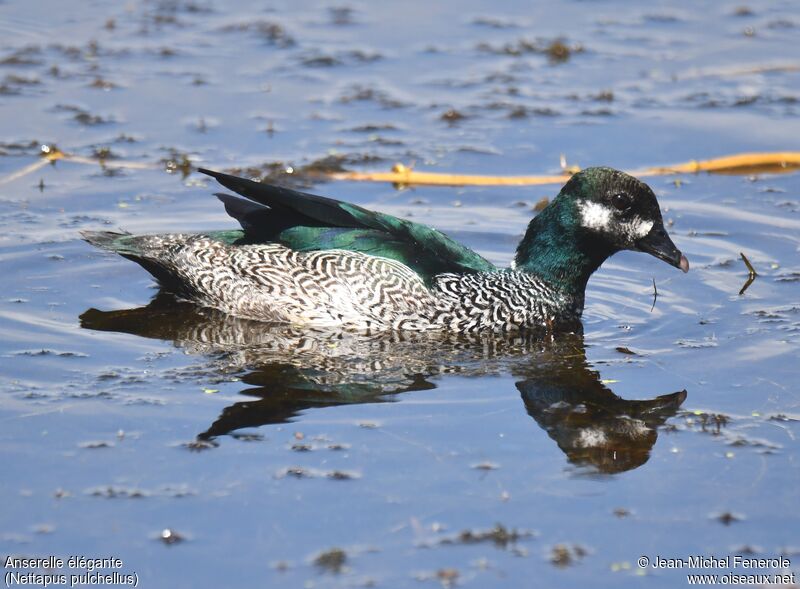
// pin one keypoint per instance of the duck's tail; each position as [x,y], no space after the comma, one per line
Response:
[149,251]
[110,240]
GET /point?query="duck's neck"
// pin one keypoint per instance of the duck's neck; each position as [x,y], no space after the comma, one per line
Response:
[556,249]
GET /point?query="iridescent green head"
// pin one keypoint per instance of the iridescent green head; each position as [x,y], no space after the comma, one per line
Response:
[622,210]
[598,212]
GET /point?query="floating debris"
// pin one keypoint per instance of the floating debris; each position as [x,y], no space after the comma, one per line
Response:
[556,50]
[297,472]
[494,22]
[340,58]
[294,175]
[751,276]
[499,535]
[782,417]
[711,423]
[341,475]
[177,161]
[199,445]
[448,577]
[331,561]
[102,84]
[24,56]
[655,295]
[358,93]
[112,492]
[337,447]
[564,555]
[744,441]
[83,116]
[96,444]
[273,33]
[452,116]
[46,352]
[727,518]
[169,537]
[373,128]
[708,342]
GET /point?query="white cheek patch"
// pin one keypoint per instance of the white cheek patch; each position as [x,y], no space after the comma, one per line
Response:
[636,228]
[600,218]
[595,216]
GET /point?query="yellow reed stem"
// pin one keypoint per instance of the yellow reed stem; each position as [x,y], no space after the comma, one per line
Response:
[740,163]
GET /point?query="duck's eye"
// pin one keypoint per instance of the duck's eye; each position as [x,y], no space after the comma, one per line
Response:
[621,201]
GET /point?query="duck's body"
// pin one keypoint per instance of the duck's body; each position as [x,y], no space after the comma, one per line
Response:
[304,259]
[271,282]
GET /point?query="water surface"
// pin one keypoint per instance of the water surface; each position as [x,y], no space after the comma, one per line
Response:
[286,458]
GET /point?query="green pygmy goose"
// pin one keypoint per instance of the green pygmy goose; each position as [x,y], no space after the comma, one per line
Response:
[310,260]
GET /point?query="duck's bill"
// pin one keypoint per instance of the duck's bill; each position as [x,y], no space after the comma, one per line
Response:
[657,243]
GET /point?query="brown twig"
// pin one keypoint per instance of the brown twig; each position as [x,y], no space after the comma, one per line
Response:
[655,295]
[752,273]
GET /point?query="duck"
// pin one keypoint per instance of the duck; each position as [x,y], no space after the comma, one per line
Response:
[313,261]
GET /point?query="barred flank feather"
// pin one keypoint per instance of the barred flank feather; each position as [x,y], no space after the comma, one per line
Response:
[270,282]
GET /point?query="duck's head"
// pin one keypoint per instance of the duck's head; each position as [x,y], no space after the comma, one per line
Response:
[599,212]
[621,212]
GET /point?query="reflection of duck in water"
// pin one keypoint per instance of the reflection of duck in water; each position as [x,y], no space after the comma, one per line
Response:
[289,371]
[307,260]
[592,425]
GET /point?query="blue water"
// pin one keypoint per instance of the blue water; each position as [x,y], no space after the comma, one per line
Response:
[428,462]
